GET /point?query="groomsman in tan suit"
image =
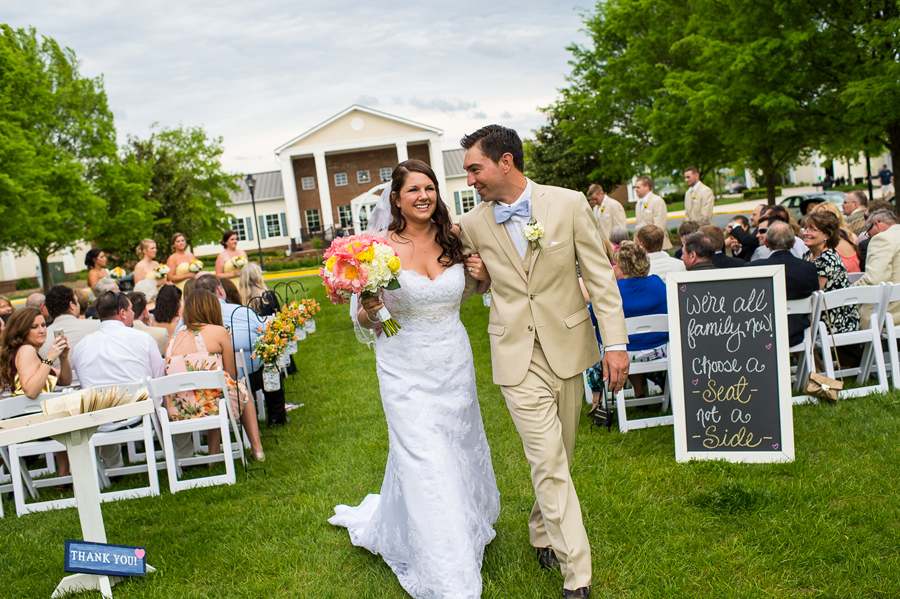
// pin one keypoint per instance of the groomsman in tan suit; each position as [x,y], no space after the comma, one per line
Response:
[651,209]
[540,329]
[608,212]
[698,199]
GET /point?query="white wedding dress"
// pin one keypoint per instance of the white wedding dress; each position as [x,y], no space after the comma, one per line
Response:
[439,499]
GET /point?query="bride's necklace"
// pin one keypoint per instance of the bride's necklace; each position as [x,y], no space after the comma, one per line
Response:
[415,246]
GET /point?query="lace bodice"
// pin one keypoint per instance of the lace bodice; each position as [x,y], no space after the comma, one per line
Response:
[421,300]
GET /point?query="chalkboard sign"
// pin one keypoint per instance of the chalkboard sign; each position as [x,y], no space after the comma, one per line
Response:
[731,379]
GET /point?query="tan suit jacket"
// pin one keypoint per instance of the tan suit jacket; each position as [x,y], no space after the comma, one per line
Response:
[609,214]
[882,266]
[651,210]
[699,202]
[540,297]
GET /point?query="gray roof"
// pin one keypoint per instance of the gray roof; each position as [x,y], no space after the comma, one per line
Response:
[453,163]
[268,187]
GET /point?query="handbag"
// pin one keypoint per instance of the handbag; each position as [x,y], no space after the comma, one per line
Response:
[602,415]
[819,385]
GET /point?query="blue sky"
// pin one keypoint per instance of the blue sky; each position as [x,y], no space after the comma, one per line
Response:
[259,73]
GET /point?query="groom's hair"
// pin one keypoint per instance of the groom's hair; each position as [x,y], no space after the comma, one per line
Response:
[495,141]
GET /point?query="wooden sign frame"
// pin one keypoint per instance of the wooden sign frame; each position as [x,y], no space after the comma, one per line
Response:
[674,283]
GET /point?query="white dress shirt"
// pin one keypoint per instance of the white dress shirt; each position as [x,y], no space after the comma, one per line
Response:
[117,354]
[515,225]
[662,263]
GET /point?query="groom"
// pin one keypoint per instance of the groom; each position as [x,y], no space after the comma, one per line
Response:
[540,328]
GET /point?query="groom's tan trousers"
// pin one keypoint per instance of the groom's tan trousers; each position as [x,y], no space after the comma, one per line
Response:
[545,410]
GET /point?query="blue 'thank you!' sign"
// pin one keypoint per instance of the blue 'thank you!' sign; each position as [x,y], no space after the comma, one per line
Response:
[109,560]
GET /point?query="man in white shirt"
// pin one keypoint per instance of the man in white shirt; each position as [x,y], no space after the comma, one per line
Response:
[608,212]
[63,308]
[650,208]
[651,238]
[114,355]
[698,199]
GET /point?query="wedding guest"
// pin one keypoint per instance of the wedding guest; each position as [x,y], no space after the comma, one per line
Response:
[862,240]
[203,343]
[103,286]
[720,258]
[800,276]
[63,306]
[225,268]
[617,235]
[846,248]
[742,233]
[245,326]
[84,302]
[822,235]
[6,306]
[179,262]
[142,321]
[22,369]
[188,287]
[883,261]
[232,295]
[146,250]
[167,312]
[684,229]
[854,208]
[699,250]
[95,260]
[150,290]
[651,239]
[254,293]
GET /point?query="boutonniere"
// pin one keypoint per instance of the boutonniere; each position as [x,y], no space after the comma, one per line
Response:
[533,232]
[602,208]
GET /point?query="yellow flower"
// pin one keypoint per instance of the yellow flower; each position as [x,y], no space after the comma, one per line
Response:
[366,256]
[351,272]
[394,264]
[329,266]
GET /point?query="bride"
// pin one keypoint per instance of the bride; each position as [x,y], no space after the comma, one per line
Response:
[439,499]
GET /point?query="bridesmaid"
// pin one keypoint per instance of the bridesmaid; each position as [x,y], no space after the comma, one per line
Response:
[224,266]
[179,262]
[144,269]
[95,260]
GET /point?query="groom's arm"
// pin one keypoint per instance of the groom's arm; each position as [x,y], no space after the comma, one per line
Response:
[468,248]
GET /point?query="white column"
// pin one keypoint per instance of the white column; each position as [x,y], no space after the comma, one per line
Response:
[402,154]
[324,189]
[437,164]
[8,266]
[69,262]
[291,204]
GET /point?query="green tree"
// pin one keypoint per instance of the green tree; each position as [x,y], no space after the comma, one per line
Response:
[188,185]
[57,130]
[124,184]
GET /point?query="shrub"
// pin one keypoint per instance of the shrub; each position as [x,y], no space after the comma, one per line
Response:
[675,196]
[759,193]
[316,242]
[23,284]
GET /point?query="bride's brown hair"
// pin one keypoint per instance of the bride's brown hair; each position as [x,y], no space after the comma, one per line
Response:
[450,244]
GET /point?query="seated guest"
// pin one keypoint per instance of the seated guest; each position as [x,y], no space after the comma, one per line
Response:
[142,321]
[821,235]
[741,237]
[6,306]
[22,369]
[720,258]
[116,354]
[846,249]
[37,300]
[203,343]
[102,287]
[244,325]
[84,302]
[150,290]
[63,306]
[232,295]
[699,250]
[167,312]
[617,235]
[883,260]
[800,277]
[254,293]
[862,240]
[854,208]
[684,229]
[779,214]
[651,239]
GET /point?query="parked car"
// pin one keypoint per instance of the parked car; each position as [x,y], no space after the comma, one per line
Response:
[799,204]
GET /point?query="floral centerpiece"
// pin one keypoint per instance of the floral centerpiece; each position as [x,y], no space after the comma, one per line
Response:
[117,273]
[238,262]
[361,264]
[293,314]
[268,348]
[196,266]
[309,308]
[161,271]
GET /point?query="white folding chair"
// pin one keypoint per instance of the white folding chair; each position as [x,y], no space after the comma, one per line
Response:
[243,373]
[654,323]
[871,336]
[191,381]
[24,482]
[143,432]
[890,334]
[854,276]
[805,364]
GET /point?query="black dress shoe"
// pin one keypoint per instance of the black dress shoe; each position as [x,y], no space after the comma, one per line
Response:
[273,423]
[581,593]
[547,558]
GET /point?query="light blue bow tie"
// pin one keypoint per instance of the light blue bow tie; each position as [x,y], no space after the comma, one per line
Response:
[502,212]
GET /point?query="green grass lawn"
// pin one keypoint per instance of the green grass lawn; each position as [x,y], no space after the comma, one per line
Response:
[826,525]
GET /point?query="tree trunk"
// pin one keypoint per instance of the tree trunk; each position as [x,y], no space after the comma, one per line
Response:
[770,187]
[45,272]
[894,147]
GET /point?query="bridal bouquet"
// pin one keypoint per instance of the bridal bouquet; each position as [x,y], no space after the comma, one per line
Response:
[160,271]
[196,266]
[238,262]
[361,264]
[117,273]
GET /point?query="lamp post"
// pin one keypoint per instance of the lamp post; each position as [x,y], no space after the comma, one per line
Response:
[251,185]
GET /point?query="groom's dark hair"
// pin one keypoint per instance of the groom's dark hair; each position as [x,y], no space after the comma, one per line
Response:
[495,141]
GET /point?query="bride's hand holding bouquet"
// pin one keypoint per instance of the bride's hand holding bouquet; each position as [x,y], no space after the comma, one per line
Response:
[362,264]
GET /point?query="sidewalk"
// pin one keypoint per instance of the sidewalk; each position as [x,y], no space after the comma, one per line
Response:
[742,207]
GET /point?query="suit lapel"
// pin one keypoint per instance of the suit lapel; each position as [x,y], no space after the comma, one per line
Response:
[503,239]
[539,210]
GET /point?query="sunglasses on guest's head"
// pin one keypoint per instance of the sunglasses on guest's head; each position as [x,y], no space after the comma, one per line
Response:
[761,231]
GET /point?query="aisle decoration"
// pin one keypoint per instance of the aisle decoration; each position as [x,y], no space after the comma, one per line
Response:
[267,348]
[161,271]
[196,266]
[361,264]
[310,307]
[117,273]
